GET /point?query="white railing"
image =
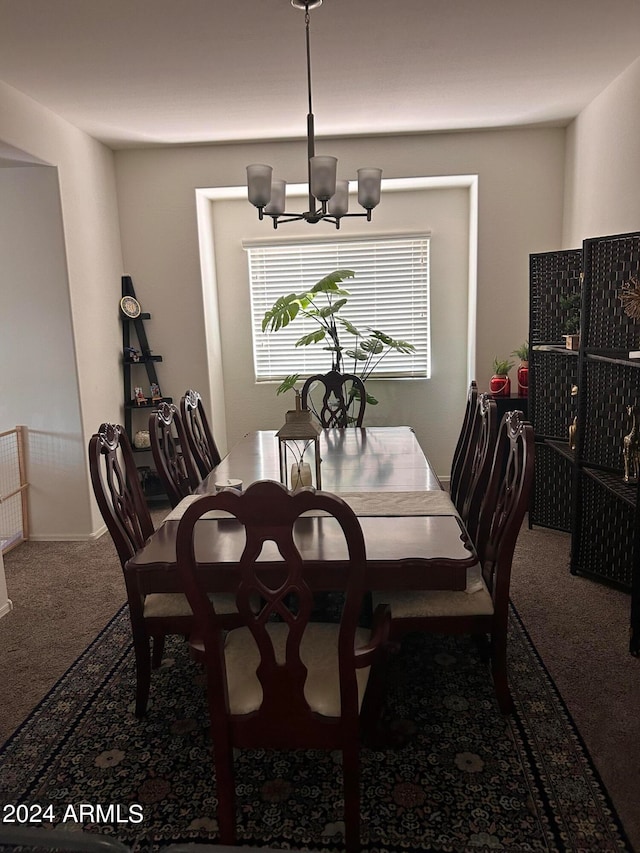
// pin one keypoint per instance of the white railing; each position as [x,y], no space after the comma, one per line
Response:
[14,514]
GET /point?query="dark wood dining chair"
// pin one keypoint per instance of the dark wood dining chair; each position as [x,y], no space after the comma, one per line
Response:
[119,495]
[456,482]
[485,611]
[116,486]
[291,683]
[479,460]
[171,454]
[339,402]
[199,436]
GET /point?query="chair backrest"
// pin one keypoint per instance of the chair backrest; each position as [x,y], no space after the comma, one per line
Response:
[268,512]
[482,447]
[504,506]
[462,446]
[199,436]
[171,453]
[343,399]
[116,485]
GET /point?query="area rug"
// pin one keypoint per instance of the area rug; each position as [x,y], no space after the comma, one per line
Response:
[460,777]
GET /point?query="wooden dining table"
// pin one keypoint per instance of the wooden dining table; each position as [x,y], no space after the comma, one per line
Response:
[413,536]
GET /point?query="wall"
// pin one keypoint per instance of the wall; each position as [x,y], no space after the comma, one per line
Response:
[520,194]
[602,175]
[38,383]
[87,206]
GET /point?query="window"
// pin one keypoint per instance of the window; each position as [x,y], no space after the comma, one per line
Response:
[390,292]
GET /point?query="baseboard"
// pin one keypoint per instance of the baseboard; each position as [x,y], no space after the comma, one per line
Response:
[7,607]
[69,537]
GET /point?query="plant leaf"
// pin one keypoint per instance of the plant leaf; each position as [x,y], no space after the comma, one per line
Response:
[329,284]
[348,326]
[331,309]
[311,338]
[288,383]
[281,313]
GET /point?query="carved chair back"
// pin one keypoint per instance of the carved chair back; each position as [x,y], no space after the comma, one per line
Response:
[199,436]
[460,453]
[117,489]
[171,454]
[479,461]
[342,402]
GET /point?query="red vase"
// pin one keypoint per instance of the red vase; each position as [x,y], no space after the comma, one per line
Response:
[500,386]
[523,379]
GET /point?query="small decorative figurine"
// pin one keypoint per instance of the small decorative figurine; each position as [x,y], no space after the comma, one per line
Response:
[573,427]
[155,392]
[631,448]
[132,354]
[139,396]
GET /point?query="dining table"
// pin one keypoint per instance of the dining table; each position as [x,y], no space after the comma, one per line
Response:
[414,537]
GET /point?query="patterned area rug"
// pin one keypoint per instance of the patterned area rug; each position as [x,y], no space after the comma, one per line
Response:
[461,777]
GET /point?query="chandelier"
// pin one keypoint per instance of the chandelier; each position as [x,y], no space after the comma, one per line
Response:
[328,197]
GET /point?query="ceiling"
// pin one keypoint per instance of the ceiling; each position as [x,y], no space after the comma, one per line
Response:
[157,72]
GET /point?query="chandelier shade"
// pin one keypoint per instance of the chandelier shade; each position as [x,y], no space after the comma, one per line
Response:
[328,196]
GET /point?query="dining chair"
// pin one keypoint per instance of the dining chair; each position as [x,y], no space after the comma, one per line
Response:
[482,445]
[485,611]
[342,393]
[116,486]
[199,436]
[171,454]
[291,683]
[456,485]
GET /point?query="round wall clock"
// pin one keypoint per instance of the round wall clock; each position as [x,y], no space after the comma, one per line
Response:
[130,307]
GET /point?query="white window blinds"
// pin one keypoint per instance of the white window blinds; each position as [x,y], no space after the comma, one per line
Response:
[390,293]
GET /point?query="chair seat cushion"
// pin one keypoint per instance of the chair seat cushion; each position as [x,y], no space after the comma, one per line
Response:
[319,653]
[165,605]
[425,604]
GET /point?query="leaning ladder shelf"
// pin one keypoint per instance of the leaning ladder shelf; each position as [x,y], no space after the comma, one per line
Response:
[147,360]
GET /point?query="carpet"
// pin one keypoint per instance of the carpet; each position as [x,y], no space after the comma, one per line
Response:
[460,778]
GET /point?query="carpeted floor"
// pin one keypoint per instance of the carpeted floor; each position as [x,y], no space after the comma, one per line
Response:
[65,592]
[462,777]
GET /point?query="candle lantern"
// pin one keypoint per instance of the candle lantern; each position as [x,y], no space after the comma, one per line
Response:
[299,433]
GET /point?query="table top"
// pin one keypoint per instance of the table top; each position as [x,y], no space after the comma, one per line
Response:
[403,551]
[356,459]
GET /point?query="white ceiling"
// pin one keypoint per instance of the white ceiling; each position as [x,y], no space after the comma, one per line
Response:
[146,72]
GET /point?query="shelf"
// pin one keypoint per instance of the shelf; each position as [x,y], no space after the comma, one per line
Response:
[613,482]
[144,359]
[612,357]
[555,349]
[561,447]
[151,404]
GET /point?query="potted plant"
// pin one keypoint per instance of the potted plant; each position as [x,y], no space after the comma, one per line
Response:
[571,304]
[500,385]
[523,369]
[323,303]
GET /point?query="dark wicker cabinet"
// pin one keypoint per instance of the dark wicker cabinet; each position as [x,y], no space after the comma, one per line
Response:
[605,542]
[583,491]
[553,371]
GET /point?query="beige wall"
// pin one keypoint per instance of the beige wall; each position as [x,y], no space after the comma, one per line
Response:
[602,175]
[38,382]
[94,265]
[520,191]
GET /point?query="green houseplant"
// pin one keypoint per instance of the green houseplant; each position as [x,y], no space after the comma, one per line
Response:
[500,385]
[323,303]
